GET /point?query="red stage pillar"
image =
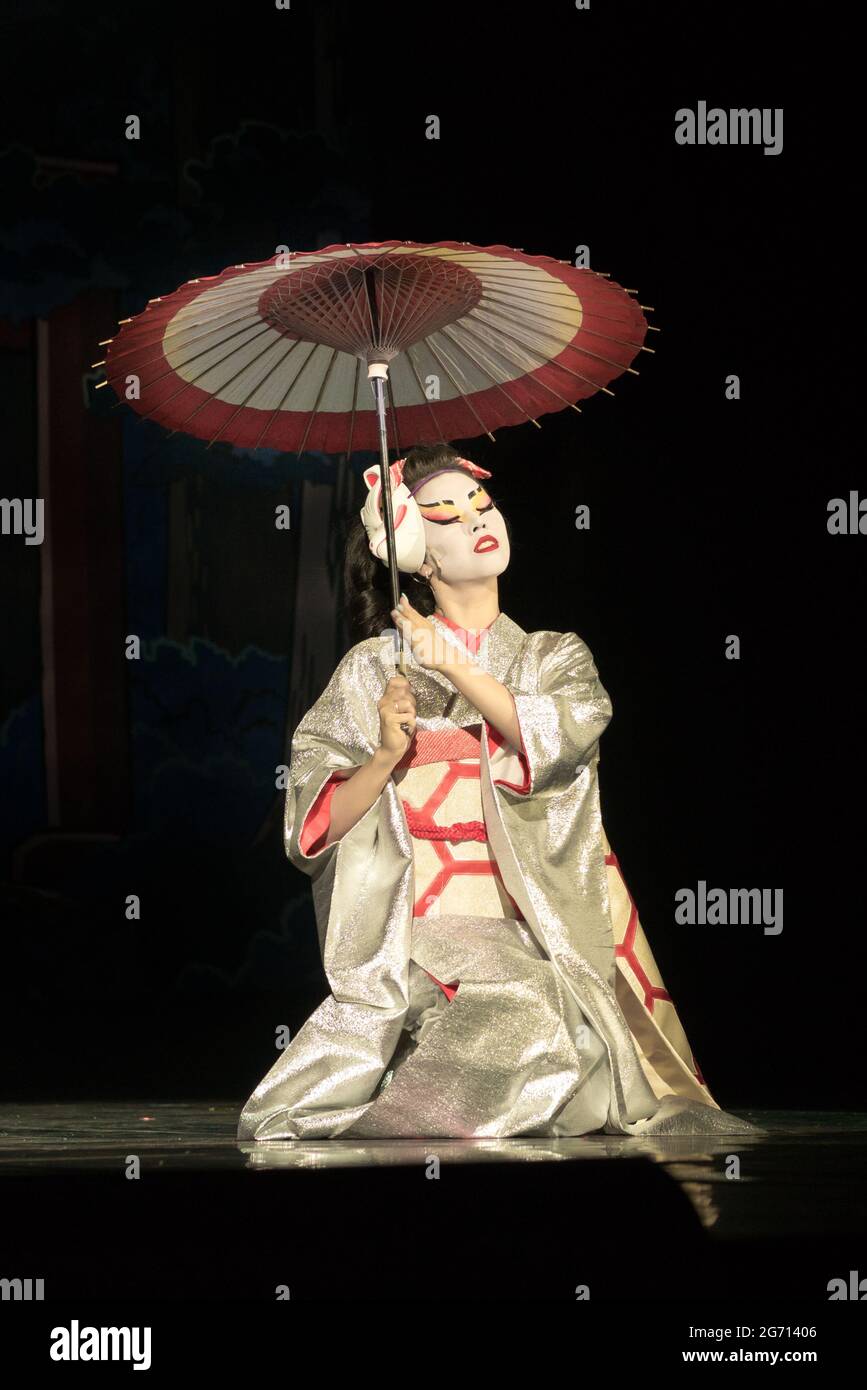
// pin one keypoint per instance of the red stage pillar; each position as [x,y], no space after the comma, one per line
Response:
[82,604]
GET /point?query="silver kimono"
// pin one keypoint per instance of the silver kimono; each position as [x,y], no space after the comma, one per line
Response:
[548,1032]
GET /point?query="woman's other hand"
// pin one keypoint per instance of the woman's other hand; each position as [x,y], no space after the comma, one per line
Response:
[427,644]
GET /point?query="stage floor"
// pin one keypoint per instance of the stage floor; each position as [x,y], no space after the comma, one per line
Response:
[805,1177]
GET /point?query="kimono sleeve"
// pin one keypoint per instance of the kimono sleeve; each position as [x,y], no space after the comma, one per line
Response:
[508,768]
[562,721]
[313,831]
[337,735]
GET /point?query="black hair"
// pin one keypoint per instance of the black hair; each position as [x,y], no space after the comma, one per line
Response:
[365,578]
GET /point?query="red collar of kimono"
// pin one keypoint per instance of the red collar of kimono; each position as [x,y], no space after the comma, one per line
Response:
[469,638]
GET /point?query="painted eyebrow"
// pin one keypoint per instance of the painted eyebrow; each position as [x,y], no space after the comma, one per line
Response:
[451,500]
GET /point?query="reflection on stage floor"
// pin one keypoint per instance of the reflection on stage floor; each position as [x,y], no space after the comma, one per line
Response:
[804,1176]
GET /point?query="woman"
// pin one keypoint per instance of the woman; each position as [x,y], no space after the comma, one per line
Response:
[488,972]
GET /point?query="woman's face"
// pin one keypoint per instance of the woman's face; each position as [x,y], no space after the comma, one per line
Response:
[464,529]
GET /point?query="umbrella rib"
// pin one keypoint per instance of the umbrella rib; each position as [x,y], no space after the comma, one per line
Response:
[217,307]
[564,323]
[256,387]
[349,302]
[273,416]
[371,304]
[171,371]
[356,304]
[621,342]
[587,312]
[615,293]
[546,294]
[217,315]
[533,352]
[392,303]
[391,335]
[513,281]
[519,278]
[519,366]
[312,413]
[541,317]
[497,264]
[161,338]
[252,317]
[266,328]
[430,347]
[499,385]
[486,265]
[587,353]
[504,265]
[594,313]
[422,392]
[607,318]
[354,406]
[202,404]
[464,328]
[221,301]
[414,313]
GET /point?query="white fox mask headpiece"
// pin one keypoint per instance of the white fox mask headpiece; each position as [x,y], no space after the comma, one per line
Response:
[409,534]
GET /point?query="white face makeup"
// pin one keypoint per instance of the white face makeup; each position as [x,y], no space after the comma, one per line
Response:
[464,528]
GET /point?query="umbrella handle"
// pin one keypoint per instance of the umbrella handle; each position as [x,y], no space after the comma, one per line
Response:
[403,670]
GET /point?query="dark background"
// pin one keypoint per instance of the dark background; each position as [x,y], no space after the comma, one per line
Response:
[709,517]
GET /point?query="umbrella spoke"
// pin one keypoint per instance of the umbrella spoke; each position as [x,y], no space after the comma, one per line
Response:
[247,319]
[254,390]
[264,330]
[500,386]
[193,380]
[573,345]
[354,404]
[207,401]
[562,366]
[322,385]
[429,345]
[287,393]
[185,383]
[424,396]
[585,313]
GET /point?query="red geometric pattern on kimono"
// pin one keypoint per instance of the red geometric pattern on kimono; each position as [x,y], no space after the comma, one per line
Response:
[422,825]
[449,745]
[427,746]
[627,950]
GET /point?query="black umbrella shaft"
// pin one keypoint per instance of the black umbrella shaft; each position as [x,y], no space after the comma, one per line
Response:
[387,509]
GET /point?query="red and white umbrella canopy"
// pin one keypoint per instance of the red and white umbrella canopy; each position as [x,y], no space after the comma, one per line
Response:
[274,355]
